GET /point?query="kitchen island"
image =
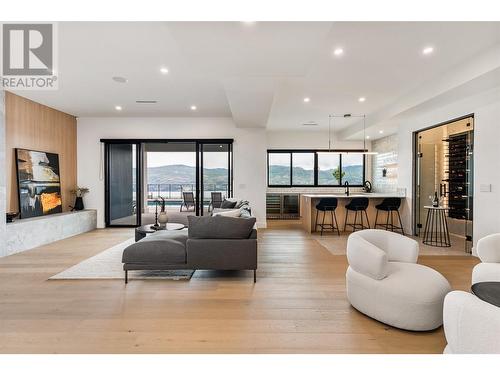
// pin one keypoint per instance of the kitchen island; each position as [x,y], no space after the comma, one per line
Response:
[308,210]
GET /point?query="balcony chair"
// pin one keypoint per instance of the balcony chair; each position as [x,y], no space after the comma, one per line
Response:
[215,201]
[188,201]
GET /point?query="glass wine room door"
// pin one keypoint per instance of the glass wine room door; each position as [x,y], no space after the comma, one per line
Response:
[444,169]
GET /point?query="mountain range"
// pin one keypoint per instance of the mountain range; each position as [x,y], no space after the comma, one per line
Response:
[184,174]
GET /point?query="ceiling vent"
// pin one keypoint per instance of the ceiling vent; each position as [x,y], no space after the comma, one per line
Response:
[146,101]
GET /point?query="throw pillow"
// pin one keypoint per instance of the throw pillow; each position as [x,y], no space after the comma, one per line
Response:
[245,212]
[242,203]
[228,204]
[230,213]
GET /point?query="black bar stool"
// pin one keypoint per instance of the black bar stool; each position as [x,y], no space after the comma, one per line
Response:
[390,205]
[324,205]
[357,205]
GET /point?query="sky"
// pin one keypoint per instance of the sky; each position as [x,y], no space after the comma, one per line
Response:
[210,159]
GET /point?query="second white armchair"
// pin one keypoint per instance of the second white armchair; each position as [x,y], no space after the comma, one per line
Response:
[488,250]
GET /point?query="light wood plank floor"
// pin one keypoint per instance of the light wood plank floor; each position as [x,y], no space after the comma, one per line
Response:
[298,304]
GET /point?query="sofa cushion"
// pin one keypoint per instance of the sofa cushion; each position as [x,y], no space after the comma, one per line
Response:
[228,204]
[220,227]
[162,247]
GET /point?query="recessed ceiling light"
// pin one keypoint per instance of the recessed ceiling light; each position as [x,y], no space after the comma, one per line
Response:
[193,108]
[428,50]
[362,99]
[338,51]
[119,79]
[164,70]
[367,137]
[380,132]
[307,100]
[118,107]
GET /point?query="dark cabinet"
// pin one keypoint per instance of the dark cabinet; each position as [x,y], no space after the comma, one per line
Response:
[282,206]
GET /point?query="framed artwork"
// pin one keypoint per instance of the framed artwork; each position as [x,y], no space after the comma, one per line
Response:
[39,183]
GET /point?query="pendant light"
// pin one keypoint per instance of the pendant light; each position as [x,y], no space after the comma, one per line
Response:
[331,119]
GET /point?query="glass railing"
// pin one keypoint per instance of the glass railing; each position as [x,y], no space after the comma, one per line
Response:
[174,191]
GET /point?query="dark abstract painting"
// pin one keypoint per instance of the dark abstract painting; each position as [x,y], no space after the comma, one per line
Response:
[39,183]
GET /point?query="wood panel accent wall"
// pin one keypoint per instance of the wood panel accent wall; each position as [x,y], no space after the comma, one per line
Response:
[37,127]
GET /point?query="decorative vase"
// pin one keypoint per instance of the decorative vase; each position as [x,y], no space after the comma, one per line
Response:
[163,219]
[78,204]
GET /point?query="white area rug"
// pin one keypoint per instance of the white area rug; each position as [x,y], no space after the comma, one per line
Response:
[108,265]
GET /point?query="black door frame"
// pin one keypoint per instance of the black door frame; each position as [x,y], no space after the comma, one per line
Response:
[415,161]
[139,183]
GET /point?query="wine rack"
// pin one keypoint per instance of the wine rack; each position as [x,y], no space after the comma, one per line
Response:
[457,179]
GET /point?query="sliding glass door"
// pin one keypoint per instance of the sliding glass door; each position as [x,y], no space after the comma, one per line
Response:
[215,174]
[187,177]
[123,200]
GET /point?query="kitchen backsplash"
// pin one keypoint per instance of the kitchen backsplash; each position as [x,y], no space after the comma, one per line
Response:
[387,158]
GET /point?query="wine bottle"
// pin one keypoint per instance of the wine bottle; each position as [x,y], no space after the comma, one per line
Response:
[435,202]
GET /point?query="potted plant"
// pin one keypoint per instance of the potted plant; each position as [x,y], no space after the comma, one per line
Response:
[162,217]
[337,175]
[79,192]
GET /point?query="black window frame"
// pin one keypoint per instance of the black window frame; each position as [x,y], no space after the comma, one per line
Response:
[315,152]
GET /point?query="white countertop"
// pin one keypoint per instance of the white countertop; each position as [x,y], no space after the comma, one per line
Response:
[356,195]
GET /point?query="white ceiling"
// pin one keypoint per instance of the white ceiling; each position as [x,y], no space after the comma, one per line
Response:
[258,73]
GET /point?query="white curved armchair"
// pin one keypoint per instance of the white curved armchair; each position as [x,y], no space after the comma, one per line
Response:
[471,326]
[488,250]
[384,282]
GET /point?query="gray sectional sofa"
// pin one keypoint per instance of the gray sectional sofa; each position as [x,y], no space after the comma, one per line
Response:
[209,243]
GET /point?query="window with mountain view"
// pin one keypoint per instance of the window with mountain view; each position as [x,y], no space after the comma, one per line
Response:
[328,169]
[279,167]
[303,168]
[352,168]
[297,168]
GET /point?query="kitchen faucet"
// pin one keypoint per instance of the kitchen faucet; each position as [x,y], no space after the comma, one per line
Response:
[346,184]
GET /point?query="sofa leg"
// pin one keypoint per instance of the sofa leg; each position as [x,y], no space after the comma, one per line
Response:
[254,276]
[126,276]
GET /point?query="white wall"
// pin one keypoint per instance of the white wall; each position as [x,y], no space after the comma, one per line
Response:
[486,110]
[305,139]
[3,189]
[249,153]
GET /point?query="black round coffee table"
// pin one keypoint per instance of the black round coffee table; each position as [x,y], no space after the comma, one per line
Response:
[140,232]
[487,291]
